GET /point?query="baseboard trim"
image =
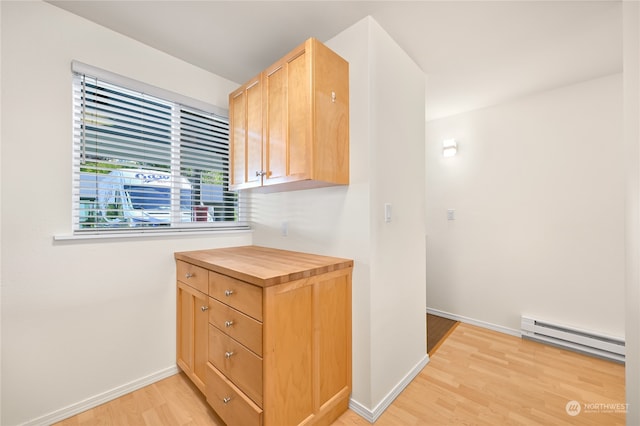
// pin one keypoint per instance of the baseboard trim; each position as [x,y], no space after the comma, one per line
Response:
[483,324]
[372,415]
[99,399]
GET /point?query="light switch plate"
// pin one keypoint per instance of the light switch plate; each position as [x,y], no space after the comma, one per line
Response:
[387,212]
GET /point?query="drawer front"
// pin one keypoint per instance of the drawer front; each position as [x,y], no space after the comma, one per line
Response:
[239,364]
[229,402]
[192,275]
[241,327]
[244,297]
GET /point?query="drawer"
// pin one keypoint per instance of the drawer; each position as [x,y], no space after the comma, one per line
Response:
[192,275]
[237,363]
[241,327]
[229,402]
[245,297]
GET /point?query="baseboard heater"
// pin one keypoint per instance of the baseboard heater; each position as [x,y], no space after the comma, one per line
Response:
[574,339]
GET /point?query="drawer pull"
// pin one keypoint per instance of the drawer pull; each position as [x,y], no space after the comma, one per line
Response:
[228,324]
[228,293]
[188,275]
[204,308]
[228,355]
[226,400]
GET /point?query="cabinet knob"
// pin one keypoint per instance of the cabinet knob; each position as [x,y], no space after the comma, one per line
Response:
[228,355]
[226,400]
[260,173]
[228,324]
[333,97]
[188,275]
[204,308]
[228,293]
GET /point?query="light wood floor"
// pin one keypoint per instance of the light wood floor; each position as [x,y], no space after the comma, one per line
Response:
[481,377]
[476,377]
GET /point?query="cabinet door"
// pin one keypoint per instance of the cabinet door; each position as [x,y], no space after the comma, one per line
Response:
[286,110]
[192,333]
[245,135]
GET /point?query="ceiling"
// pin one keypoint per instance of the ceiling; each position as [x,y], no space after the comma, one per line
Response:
[475,53]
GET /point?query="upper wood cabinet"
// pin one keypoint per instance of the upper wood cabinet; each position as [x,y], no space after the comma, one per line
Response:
[289,126]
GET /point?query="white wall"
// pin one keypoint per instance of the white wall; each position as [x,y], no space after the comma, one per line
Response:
[386,166]
[336,220]
[631,44]
[538,188]
[81,318]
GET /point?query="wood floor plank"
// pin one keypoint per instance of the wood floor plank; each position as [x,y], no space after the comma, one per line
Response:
[480,377]
[477,377]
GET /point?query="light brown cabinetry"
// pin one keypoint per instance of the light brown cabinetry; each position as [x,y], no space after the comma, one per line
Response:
[192,313]
[279,335]
[295,115]
[245,134]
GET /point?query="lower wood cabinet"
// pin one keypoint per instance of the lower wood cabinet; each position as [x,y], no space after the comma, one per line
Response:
[193,323]
[278,335]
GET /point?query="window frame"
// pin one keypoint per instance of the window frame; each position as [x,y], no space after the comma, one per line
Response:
[180,105]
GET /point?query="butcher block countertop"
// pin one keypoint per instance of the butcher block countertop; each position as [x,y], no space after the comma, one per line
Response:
[263,266]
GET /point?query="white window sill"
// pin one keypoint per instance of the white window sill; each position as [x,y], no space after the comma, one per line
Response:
[183,233]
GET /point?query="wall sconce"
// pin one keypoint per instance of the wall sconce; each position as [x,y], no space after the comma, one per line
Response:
[449,148]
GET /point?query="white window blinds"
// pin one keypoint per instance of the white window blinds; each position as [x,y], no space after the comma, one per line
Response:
[145,163]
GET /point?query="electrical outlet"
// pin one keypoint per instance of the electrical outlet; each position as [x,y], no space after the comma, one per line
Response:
[451,214]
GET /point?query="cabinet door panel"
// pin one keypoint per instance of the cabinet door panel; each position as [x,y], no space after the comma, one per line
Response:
[200,332]
[192,333]
[237,136]
[275,138]
[245,118]
[185,328]
[254,133]
[298,118]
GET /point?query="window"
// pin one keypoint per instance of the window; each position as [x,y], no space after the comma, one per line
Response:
[144,162]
